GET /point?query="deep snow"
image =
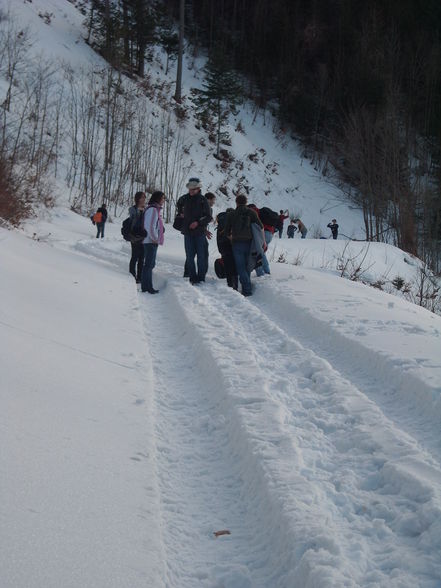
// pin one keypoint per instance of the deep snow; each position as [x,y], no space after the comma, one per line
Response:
[134,427]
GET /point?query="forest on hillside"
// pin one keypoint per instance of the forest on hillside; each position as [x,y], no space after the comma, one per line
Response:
[358,83]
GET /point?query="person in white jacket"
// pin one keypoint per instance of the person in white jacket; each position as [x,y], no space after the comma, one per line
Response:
[155,236]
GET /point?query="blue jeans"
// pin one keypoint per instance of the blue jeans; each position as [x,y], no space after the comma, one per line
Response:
[100,230]
[241,252]
[196,245]
[265,268]
[150,250]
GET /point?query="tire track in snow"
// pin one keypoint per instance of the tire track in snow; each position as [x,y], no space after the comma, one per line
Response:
[366,495]
[394,392]
[200,480]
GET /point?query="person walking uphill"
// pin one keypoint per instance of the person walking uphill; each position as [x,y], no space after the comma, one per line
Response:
[99,219]
[137,259]
[334,228]
[155,236]
[196,216]
[238,227]
[282,217]
[301,227]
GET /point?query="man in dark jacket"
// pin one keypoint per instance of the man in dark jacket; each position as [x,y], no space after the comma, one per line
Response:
[196,216]
[334,228]
[238,228]
[179,218]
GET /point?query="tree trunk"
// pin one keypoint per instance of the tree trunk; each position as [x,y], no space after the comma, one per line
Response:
[178,93]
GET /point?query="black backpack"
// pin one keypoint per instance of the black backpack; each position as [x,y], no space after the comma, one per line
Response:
[269,217]
[135,233]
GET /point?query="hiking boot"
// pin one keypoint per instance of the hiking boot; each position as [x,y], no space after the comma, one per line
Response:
[150,291]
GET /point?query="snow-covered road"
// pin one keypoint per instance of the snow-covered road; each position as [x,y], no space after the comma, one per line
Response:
[318,452]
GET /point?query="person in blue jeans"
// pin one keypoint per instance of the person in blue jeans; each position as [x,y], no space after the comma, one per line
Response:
[238,228]
[155,236]
[196,216]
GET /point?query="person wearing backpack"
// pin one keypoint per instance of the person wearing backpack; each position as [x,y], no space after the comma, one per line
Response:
[226,250]
[196,217]
[99,219]
[269,219]
[136,215]
[154,226]
[238,229]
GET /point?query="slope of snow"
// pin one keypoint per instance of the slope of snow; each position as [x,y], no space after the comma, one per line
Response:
[276,174]
[134,427]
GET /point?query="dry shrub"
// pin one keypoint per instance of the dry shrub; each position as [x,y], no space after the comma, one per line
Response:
[14,204]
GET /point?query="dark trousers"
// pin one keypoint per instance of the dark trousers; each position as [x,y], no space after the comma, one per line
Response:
[150,250]
[196,245]
[137,260]
[241,252]
[100,230]
[230,269]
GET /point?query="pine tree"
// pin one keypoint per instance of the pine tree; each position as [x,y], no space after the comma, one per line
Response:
[220,95]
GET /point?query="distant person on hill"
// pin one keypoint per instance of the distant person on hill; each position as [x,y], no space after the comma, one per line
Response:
[155,236]
[238,228]
[291,230]
[137,259]
[334,228]
[282,217]
[99,219]
[226,250]
[301,227]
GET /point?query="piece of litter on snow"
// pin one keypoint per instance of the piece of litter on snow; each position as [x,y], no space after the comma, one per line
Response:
[223,532]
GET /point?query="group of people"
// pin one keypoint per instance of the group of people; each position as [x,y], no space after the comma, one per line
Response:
[243,236]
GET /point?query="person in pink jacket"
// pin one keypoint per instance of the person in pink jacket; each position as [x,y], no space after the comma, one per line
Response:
[155,236]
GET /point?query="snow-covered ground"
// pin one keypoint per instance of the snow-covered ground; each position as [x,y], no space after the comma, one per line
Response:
[305,420]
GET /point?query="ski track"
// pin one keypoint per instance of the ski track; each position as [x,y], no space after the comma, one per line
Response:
[388,386]
[320,483]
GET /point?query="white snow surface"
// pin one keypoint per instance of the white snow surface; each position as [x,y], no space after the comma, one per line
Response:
[305,420]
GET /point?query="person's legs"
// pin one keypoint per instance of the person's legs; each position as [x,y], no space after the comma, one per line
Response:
[202,256]
[230,269]
[304,234]
[265,268]
[150,250]
[132,263]
[241,252]
[190,252]
[140,260]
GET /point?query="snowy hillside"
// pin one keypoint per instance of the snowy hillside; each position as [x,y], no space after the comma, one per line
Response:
[302,423]
[265,164]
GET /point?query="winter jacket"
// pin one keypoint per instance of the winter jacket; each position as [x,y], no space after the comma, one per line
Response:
[291,230]
[134,214]
[238,223]
[196,208]
[153,225]
[256,250]
[334,229]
